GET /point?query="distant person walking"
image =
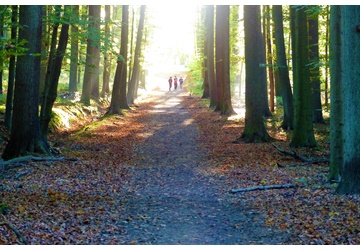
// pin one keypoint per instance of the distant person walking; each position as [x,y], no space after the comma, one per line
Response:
[175,82]
[181,80]
[170,83]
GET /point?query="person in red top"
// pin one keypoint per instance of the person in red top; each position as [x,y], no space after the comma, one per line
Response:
[170,83]
[175,82]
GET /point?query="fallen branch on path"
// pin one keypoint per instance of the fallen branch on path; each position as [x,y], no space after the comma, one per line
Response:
[10,226]
[299,157]
[263,188]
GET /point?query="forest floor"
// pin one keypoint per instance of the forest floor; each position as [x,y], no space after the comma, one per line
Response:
[162,174]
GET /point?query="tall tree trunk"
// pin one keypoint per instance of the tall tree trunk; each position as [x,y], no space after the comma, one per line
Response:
[313,22]
[210,44]
[136,69]
[336,114]
[11,80]
[270,59]
[350,78]
[74,52]
[206,87]
[95,83]
[254,130]
[222,54]
[303,135]
[326,91]
[50,91]
[2,19]
[118,98]
[25,137]
[284,80]
[91,73]
[106,74]
[52,52]
[131,43]
[45,43]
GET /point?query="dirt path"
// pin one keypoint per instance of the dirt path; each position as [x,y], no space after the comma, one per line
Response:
[170,199]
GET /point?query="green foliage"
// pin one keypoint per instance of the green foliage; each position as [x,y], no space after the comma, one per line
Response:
[195,86]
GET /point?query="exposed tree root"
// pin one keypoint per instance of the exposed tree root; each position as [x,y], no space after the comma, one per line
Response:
[34,158]
[299,157]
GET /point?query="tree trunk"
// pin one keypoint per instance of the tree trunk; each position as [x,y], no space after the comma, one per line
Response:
[206,87]
[136,69]
[254,130]
[106,74]
[25,135]
[303,135]
[50,91]
[11,80]
[336,122]
[91,73]
[2,18]
[118,98]
[350,77]
[95,83]
[222,54]
[284,80]
[209,33]
[313,23]
[74,53]
[270,59]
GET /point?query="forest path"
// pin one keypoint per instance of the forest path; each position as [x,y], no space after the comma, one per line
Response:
[171,200]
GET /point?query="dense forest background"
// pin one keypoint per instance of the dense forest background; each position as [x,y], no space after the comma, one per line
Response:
[299,63]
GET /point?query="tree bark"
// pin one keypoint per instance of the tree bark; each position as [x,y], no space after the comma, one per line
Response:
[209,32]
[74,53]
[50,91]
[91,73]
[25,135]
[283,72]
[313,22]
[222,54]
[118,98]
[136,69]
[254,130]
[106,74]
[12,62]
[303,135]
[336,122]
[350,77]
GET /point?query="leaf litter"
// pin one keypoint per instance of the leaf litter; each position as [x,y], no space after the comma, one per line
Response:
[161,174]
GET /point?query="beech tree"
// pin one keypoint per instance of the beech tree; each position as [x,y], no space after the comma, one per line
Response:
[91,74]
[254,130]
[336,114]
[73,79]
[118,95]
[222,55]
[209,54]
[133,84]
[313,23]
[283,71]
[53,74]
[349,66]
[303,135]
[25,137]
[12,62]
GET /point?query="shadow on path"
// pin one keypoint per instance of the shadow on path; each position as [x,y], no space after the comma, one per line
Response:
[171,200]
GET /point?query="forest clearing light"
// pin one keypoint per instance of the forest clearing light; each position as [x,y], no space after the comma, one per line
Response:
[172,33]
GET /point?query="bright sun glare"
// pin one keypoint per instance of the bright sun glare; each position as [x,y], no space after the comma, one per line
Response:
[173,33]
